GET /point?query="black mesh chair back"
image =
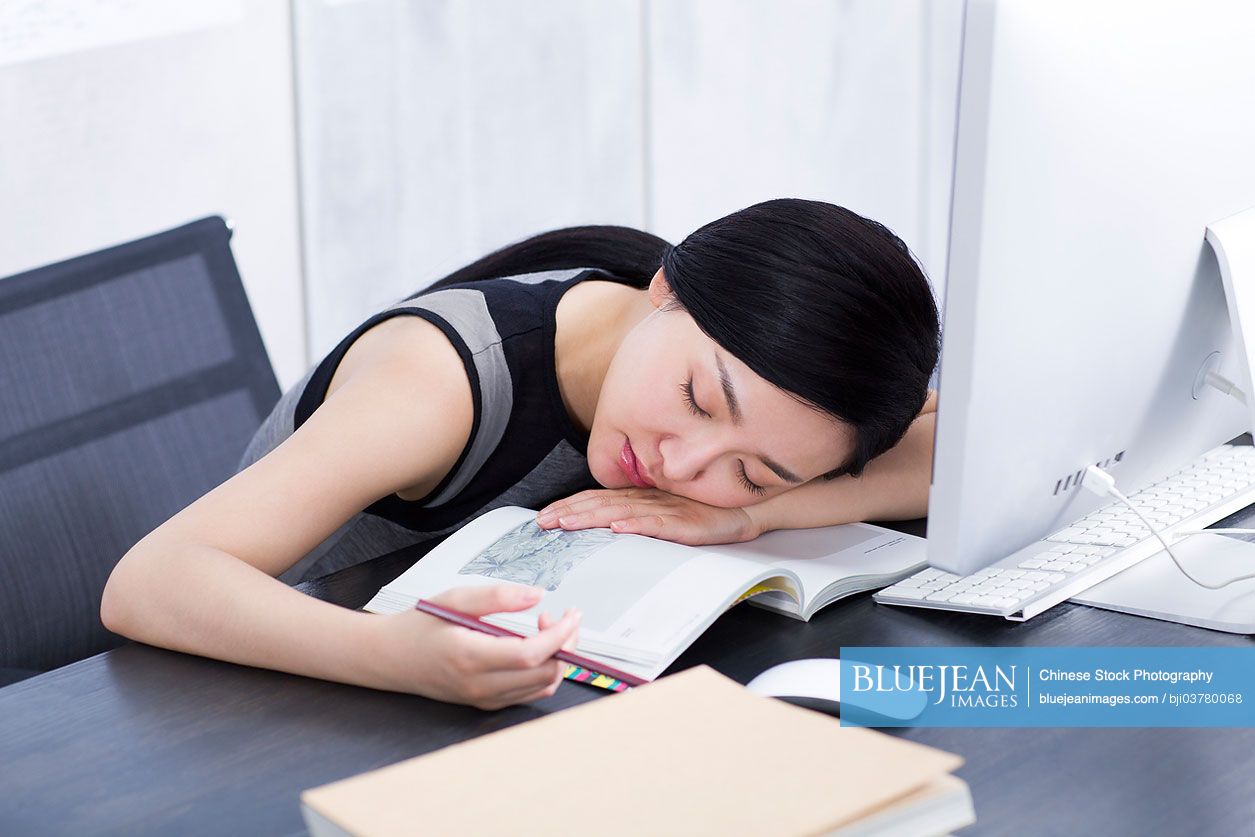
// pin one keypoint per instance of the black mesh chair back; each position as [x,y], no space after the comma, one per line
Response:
[131,381]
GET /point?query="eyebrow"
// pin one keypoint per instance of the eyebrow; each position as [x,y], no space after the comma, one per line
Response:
[734,410]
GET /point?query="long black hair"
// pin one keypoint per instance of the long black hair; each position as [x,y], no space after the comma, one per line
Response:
[823,303]
[626,252]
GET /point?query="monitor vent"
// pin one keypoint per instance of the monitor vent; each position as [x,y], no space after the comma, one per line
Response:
[1071,481]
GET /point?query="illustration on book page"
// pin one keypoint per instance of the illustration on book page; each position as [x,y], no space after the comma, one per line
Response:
[528,554]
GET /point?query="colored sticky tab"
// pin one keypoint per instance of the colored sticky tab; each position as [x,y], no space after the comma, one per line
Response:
[580,674]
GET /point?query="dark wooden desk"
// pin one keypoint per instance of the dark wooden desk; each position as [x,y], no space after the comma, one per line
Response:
[141,740]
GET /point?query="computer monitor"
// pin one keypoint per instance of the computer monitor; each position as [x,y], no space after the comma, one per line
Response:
[1095,142]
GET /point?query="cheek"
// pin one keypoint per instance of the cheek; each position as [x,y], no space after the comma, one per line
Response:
[716,493]
[638,398]
[616,416]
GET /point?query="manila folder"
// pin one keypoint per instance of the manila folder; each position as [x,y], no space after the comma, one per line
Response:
[691,753]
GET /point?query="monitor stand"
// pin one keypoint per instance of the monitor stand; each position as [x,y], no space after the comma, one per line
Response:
[1155,587]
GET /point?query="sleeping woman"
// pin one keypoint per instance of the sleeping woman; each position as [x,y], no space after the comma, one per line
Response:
[769,371]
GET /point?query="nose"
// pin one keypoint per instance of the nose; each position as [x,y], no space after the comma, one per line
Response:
[685,458]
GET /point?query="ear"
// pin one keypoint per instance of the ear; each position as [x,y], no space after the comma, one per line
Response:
[659,290]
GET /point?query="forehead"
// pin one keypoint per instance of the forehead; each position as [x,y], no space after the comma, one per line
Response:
[773,422]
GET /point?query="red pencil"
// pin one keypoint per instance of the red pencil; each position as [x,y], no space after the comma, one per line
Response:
[457,617]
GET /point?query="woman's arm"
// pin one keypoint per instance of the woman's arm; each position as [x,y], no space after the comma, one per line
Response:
[893,486]
[205,581]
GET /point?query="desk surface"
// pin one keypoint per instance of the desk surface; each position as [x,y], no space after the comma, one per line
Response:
[144,740]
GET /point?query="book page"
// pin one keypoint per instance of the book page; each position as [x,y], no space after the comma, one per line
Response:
[639,596]
[823,555]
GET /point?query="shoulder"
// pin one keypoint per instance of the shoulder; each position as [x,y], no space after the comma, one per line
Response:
[400,345]
[407,367]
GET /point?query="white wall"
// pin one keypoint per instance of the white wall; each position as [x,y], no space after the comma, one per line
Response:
[127,117]
[435,131]
[432,131]
[806,98]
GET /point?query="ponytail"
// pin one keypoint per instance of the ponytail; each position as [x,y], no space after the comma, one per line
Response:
[628,253]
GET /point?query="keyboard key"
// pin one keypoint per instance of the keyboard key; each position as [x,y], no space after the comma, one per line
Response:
[965,598]
[1032,563]
[1065,535]
[906,592]
[939,596]
[1075,567]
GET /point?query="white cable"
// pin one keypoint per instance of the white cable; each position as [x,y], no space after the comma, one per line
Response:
[1101,483]
[1226,386]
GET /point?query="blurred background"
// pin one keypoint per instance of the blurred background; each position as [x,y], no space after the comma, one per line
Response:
[364,148]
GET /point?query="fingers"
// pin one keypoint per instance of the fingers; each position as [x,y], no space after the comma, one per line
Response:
[496,689]
[510,654]
[601,513]
[598,517]
[653,525]
[603,506]
[520,671]
[494,598]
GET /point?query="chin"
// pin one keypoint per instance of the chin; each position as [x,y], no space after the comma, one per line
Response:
[603,473]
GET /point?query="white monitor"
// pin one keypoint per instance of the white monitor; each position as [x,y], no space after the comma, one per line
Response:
[1095,143]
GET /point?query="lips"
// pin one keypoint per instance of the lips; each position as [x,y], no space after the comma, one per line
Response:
[631,468]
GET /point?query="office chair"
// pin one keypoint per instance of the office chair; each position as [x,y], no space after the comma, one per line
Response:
[131,380]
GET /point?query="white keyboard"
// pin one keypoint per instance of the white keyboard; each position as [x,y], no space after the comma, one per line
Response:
[1093,549]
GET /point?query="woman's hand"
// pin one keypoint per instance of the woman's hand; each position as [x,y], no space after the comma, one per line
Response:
[426,655]
[653,512]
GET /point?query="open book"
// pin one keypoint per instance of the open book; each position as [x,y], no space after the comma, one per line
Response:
[645,600]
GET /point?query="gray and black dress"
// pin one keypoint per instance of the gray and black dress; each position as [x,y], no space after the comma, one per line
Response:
[523,448]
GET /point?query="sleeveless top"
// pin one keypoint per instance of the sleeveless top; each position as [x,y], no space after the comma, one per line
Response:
[523,449]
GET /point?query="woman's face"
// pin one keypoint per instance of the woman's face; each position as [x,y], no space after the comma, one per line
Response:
[697,422]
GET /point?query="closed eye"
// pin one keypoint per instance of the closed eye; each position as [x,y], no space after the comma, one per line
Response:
[747,482]
[687,389]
